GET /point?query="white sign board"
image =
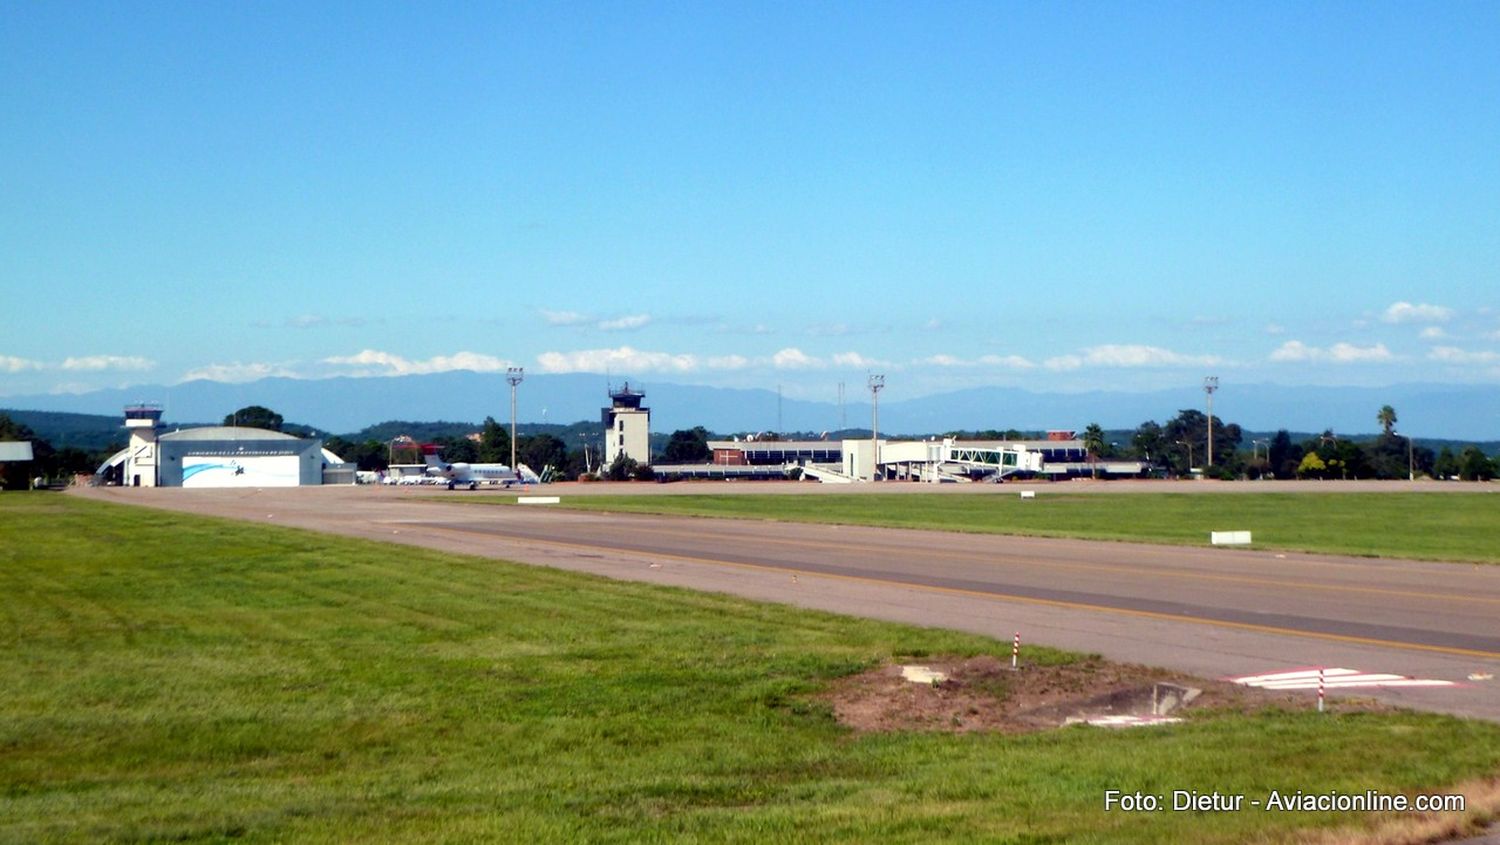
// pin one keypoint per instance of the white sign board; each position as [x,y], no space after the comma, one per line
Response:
[1229,538]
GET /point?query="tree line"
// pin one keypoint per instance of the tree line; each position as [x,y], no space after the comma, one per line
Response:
[48,463]
[1181,446]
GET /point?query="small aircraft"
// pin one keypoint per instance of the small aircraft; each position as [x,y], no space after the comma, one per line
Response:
[472,475]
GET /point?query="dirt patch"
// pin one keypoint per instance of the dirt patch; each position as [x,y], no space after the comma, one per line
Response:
[985,694]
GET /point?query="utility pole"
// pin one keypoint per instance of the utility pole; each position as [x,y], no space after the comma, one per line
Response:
[877,382]
[1210,384]
[514,375]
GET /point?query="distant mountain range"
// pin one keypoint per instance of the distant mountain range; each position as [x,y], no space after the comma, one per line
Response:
[341,405]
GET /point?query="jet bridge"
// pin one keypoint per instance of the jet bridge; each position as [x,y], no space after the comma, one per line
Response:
[1005,460]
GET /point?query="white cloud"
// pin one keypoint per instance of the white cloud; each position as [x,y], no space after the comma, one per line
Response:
[78,364]
[941,360]
[854,359]
[933,325]
[1406,312]
[237,372]
[1454,355]
[564,318]
[574,319]
[632,321]
[98,363]
[1294,351]
[1011,362]
[1130,355]
[728,362]
[629,359]
[373,362]
[1348,353]
[792,358]
[1433,333]
[1274,329]
[12,364]
[621,359]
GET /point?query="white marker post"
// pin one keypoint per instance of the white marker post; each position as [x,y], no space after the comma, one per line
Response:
[1015,651]
[1320,689]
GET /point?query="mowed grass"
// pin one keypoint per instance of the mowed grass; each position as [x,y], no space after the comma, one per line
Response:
[1428,526]
[166,677]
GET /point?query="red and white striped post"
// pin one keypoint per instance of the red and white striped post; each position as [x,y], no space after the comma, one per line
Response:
[1320,689]
[1015,651]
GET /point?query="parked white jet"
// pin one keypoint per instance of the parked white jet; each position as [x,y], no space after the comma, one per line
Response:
[472,475]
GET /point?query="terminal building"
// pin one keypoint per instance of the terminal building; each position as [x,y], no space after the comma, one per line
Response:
[218,456]
[1060,456]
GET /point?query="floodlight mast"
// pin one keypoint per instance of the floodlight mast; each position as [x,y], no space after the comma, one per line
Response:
[877,383]
[514,375]
[1210,384]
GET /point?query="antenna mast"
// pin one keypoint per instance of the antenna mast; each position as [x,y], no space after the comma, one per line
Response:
[877,383]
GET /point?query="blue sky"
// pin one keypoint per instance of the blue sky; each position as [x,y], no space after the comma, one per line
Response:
[1063,196]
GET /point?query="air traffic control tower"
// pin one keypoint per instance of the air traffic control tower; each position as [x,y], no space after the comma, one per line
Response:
[141,463]
[627,426]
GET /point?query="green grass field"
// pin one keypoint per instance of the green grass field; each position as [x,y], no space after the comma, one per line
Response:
[165,677]
[1456,526]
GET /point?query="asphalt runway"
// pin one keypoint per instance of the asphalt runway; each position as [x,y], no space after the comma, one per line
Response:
[1212,612]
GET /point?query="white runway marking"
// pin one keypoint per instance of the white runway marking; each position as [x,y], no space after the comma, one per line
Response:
[1126,721]
[1333,678]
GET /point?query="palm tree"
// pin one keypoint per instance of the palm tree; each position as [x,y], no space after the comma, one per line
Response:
[1093,444]
[1387,419]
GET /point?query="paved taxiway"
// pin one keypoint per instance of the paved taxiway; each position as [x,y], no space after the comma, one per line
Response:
[1212,612]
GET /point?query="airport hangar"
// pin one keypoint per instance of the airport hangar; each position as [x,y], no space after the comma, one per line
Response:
[218,456]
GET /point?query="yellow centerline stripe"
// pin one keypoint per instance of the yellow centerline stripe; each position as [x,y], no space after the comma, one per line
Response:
[960,591]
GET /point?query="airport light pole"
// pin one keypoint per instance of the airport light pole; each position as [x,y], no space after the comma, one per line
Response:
[877,383]
[514,375]
[1210,384]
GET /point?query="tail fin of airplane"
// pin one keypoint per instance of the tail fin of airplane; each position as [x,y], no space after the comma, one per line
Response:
[430,455]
